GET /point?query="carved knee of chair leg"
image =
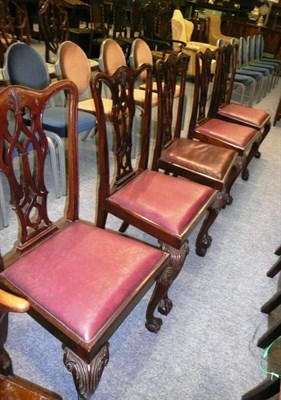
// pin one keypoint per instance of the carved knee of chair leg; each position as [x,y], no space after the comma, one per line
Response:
[86,376]
[177,259]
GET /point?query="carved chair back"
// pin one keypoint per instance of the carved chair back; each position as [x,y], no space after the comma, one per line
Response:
[121,88]
[30,144]
[171,79]
[204,86]
[54,27]
[226,75]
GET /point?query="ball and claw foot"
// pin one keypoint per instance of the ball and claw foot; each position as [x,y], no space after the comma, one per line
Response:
[229,199]
[204,245]
[154,325]
[165,306]
[245,175]
[258,154]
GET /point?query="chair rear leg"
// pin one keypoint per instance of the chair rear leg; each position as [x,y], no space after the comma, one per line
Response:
[6,367]
[251,154]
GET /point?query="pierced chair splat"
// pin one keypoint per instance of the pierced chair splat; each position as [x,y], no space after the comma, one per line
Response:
[109,287]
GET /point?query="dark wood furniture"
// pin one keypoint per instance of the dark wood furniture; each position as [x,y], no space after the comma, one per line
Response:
[210,165]
[210,129]
[14,387]
[221,106]
[270,386]
[55,28]
[265,390]
[244,27]
[81,281]
[192,6]
[277,115]
[137,195]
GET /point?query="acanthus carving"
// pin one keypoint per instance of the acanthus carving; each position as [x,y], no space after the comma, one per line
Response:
[176,262]
[169,275]
[86,376]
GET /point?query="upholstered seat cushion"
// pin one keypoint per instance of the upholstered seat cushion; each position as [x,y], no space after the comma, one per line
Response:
[257,118]
[232,135]
[163,200]
[203,158]
[54,120]
[108,266]
[139,96]
[88,105]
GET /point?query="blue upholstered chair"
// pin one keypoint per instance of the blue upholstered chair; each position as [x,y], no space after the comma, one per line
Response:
[24,66]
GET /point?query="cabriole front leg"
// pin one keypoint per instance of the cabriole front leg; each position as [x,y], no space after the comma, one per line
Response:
[86,376]
[160,294]
[204,240]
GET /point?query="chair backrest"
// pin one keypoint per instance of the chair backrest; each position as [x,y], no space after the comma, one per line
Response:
[203,77]
[243,53]
[140,53]
[189,28]
[121,88]
[73,64]
[258,46]
[111,56]
[171,79]
[214,28]
[227,62]
[23,65]
[29,193]
[54,27]
[178,27]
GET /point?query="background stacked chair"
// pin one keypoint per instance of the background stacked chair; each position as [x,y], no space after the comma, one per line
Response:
[254,61]
[24,66]
[258,76]
[244,86]
[246,66]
